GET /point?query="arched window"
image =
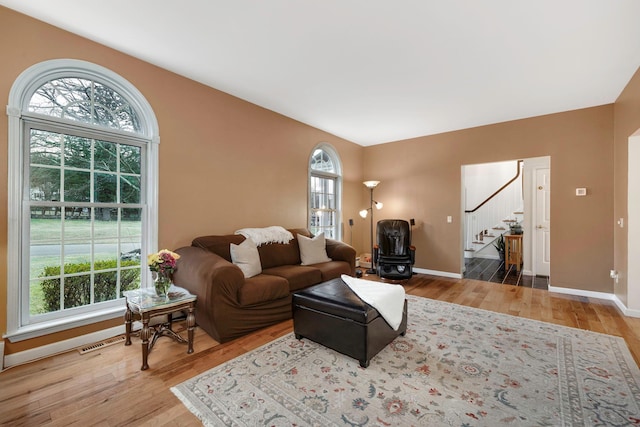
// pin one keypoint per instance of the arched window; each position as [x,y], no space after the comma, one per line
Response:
[325,183]
[82,183]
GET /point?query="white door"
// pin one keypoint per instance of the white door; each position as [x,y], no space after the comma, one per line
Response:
[542,225]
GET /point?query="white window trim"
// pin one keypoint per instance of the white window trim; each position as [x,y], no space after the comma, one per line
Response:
[23,87]
[337,175]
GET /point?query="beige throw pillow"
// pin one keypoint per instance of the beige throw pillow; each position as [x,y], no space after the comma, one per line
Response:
[245,255]
[313,251]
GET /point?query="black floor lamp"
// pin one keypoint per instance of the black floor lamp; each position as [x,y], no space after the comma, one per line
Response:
[363,213]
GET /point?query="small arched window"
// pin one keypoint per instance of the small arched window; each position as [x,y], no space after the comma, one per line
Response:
[325,183]
[83,200]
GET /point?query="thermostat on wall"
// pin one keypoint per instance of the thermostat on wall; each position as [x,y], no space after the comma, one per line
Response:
[581,191]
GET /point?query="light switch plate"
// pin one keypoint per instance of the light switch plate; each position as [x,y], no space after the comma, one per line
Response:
[581,191]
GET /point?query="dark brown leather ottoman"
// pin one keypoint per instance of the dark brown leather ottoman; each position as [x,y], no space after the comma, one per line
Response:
[331,314]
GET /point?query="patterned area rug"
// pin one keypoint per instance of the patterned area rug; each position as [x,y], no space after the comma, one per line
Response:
[456,366]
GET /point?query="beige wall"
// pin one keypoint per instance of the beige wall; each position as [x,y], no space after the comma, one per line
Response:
[421,179]
[627,121]
[224,163]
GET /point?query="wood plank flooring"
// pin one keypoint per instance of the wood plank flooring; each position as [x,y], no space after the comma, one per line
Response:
[492,270]
[107,388]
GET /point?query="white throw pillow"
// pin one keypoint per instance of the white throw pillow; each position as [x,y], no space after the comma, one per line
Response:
[245,255]
[313,251]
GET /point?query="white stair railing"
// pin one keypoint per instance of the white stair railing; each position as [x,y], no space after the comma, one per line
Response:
[483,224]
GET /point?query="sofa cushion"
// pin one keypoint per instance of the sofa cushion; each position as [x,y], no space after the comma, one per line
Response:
[313,250]
[298,276]
[276,254]
[262,288]
[333,269]
[245,255]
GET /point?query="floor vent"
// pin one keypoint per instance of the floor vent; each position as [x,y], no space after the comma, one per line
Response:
[97,346]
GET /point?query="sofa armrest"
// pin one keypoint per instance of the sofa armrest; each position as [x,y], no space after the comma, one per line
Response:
[209,276]
[340,251]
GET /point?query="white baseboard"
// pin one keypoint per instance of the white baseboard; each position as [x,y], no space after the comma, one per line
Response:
[599,295]
[582,293]
[59,347]
[623,308]
[438,273]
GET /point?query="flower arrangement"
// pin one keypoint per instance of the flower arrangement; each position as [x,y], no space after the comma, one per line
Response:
[162,265]
[163,262]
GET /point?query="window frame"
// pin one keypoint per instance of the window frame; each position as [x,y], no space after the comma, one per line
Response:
[20,119]
[335,176]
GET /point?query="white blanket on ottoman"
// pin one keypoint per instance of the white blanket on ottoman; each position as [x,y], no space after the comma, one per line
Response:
[388,299]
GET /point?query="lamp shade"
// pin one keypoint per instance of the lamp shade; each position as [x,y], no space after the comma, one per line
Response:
[363,213]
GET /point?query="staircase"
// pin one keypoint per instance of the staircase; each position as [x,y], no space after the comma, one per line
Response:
[492,218]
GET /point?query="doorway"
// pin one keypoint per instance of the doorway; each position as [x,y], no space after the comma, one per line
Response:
[535,217]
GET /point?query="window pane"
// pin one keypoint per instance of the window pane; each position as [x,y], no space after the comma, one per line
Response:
[130,159]
[106,255]
[86,101]
[77,152]
[131,237]
[105,286]
[77,186]
[77,257]
[64,98]
[44,148]
[129,279]
[105,214]
[133,216]
[130,189]
[44,184]
[105,188]
[113,111]
[106,225]
[105,244]
[45,247]
[44,296]
[77,290]
[106,156]
[321,161]
[77,238]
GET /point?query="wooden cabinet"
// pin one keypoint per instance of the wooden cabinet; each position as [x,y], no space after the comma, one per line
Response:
[512,251]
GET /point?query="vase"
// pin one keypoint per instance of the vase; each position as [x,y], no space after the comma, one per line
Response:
[161,283]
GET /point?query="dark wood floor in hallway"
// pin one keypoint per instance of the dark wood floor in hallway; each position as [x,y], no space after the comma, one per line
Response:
[492,270]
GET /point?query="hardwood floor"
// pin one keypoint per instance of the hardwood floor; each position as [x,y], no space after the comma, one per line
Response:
[107,388]
[492,270]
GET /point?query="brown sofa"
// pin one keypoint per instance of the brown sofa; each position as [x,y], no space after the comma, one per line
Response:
[229,305]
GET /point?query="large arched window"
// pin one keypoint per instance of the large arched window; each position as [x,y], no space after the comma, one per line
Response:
[325,191]
[82,183]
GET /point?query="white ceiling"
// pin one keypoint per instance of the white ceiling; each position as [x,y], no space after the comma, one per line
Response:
[375,71]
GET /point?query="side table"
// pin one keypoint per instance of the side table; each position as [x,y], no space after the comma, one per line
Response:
[513,251]
[144,304]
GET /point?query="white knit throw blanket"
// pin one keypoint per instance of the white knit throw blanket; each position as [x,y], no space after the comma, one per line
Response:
[273,234]
[388,299]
